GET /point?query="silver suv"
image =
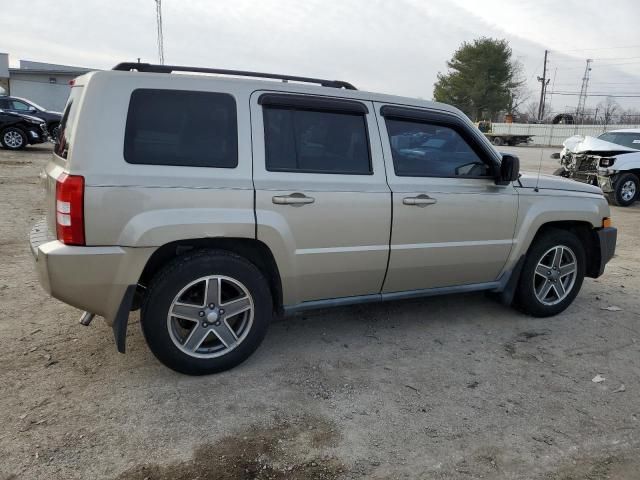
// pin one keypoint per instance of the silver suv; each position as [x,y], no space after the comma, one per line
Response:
[213,202]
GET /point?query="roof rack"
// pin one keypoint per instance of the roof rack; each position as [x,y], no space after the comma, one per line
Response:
[154,68]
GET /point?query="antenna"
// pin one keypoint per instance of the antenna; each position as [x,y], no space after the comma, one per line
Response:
[582,99]
[159,25]
[539,168]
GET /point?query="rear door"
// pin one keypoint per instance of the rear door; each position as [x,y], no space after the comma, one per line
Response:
[322,202]
[452,225]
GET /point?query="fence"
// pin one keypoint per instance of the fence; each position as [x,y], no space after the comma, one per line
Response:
[553,135]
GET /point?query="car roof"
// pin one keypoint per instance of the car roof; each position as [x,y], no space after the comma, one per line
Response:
[625,130]
[274,85]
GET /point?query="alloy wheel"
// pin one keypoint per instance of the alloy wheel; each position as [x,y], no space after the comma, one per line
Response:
[555,275]
[13,139]
[211,316]
[628,190]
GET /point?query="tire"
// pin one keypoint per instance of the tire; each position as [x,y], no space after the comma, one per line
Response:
[531,284]
[206,339]
[625,190]
[497,141]
[53,129]
[561,172]
[13,138]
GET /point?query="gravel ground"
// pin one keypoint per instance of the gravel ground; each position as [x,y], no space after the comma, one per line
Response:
[454,387]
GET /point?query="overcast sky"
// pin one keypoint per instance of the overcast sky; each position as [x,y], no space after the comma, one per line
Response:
[393,46]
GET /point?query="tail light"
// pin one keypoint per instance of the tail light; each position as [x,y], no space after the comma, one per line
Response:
[70,209]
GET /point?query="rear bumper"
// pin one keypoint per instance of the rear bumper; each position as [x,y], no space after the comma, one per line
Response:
[607,238]
[94,279]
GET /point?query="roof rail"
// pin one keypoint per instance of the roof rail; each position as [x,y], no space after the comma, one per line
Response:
[153,68]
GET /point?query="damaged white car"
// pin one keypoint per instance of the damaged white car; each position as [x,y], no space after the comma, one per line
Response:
[610,161]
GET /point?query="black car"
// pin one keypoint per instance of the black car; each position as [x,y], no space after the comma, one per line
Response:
[18,130]
[27,107]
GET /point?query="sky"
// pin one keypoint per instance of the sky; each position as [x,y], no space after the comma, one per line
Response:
[392,46]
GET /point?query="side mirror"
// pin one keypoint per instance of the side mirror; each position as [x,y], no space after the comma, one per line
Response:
[32,110]
[509,169]
[555,156]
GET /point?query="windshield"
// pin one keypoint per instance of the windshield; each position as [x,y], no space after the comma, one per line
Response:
[626,139]
[30,103]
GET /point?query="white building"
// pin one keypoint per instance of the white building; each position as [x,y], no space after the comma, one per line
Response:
[46,84]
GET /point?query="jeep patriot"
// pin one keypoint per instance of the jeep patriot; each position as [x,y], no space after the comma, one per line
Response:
[214,202]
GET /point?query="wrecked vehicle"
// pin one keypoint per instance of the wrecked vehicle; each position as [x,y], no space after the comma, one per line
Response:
[610,161]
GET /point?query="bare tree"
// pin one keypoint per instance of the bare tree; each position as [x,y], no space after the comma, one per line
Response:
[518,91]
[531,111]
[610,109]
[630,116]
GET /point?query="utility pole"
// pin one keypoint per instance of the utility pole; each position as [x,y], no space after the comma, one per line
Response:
[582,99]
[543,88]
[159,25]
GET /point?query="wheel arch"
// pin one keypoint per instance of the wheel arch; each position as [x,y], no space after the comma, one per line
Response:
[587,235]
[253,250]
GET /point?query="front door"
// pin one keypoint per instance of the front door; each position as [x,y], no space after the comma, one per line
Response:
[452,225]
[322,202]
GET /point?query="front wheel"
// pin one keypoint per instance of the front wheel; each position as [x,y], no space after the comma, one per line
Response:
[13,138]
[206,312]
[497,141]
[552,274]
[625,190]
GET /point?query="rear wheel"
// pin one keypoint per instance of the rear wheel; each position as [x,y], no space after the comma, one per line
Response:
[13,138]
[206,312]
[552,274]
[625,190]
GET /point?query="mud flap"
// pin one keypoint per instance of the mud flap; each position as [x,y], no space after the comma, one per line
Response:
[507,292]
[122,318]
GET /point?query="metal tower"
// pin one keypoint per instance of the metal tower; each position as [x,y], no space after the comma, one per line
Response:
[159,25]
[582,99]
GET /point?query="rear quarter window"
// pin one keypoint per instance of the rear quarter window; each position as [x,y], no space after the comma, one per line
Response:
[183,128]
[67,123]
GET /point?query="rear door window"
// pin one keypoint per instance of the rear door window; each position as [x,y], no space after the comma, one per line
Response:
[304,140]
[183,128]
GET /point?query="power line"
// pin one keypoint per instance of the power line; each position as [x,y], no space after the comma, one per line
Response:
[601,48]
[596,94]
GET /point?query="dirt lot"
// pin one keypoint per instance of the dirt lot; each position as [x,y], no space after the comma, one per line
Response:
[445,388]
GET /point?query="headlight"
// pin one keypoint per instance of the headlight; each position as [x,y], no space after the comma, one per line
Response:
[607,161]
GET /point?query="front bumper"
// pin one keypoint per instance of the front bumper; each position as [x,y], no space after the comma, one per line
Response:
[94,279]
[607,238]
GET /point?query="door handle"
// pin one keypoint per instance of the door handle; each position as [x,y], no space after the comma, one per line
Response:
[419,201]
[295,199]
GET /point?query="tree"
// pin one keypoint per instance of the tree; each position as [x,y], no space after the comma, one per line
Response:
[609,108]
[482,79]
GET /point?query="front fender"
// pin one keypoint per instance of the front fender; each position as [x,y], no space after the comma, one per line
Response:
[536,209]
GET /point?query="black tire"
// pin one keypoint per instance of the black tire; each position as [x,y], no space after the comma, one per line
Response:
[526,299]
[53,130]
[561,172]
[16,134]
[497,141]
[619,195]
[178,274]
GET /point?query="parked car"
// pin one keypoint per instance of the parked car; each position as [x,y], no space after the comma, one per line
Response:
[17,130]
[214,202]
[610,161]
[24,106]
